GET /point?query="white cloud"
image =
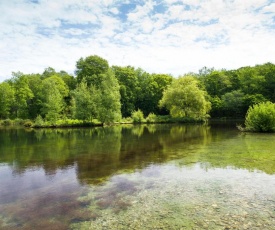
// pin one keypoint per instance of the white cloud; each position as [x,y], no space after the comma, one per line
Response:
[176,40]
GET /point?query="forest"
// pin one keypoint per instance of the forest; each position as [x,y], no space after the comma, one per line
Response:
[107,94]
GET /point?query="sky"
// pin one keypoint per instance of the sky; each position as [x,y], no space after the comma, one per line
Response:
[160,36]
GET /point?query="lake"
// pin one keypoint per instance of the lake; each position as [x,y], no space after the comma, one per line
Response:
[137,177]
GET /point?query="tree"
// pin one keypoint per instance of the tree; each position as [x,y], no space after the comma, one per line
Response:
[157,84]
[143,97]
[216,83]
[151,87]
[91,69]
[54,104]
[54,90]
[204,71]
[48,72]
[184,98]
[109,99]
[102,102]
[6,99]
[233,104]
[23,95]
[58,82]
[250,81]
[35,104]
[128,83]
[84,102]
[68,79]
[268,71]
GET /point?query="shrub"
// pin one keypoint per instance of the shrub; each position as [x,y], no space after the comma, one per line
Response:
[151,118]
[261,117]
[18,121]
[39,122]
[6,122]
[138,116]
[126,120]
[28,123]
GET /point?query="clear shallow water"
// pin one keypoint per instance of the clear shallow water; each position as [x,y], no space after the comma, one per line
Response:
[137,177]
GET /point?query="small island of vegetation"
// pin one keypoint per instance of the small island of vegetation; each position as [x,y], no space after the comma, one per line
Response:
[101,94]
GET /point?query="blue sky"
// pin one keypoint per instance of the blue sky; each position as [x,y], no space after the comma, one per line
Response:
[160,36]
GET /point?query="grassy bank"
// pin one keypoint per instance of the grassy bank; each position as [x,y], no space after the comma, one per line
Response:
[63,123]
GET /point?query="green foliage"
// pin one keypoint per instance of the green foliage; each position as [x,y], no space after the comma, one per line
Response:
[216,83]
[153,87]
[108,99]
[84,102]
[69,123]
[39,122]
[28,123]
[53,102]
[126,120]
[101,102]
[128,83]
[138,116]
[90,69]
[56,82]
[6,99]
[23,95]
[261,117]
[233,103]
[6,122]
[216,106]
[250,80]
[68,79]
[151,118]
[36,86]
[184,98]
[48,72]
[100,93]
[18,121]
[53,92]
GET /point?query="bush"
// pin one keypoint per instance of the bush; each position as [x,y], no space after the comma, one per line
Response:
[28,123]
[6,122]
[261,117]
[39,122]
[18,121]
[126,120]
[151,118]
[138,116]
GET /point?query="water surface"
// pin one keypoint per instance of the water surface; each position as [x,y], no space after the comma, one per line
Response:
[137,177]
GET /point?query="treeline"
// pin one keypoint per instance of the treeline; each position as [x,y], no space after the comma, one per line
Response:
[112,93]
[231,92]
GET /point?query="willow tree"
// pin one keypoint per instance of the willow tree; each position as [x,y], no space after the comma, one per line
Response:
[184,98]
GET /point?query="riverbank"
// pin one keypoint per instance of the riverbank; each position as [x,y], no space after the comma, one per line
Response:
[68,123]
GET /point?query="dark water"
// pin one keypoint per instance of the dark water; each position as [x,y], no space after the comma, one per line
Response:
[137,177]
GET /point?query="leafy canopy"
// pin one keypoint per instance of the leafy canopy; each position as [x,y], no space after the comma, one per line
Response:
[91,69]
[184,98]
